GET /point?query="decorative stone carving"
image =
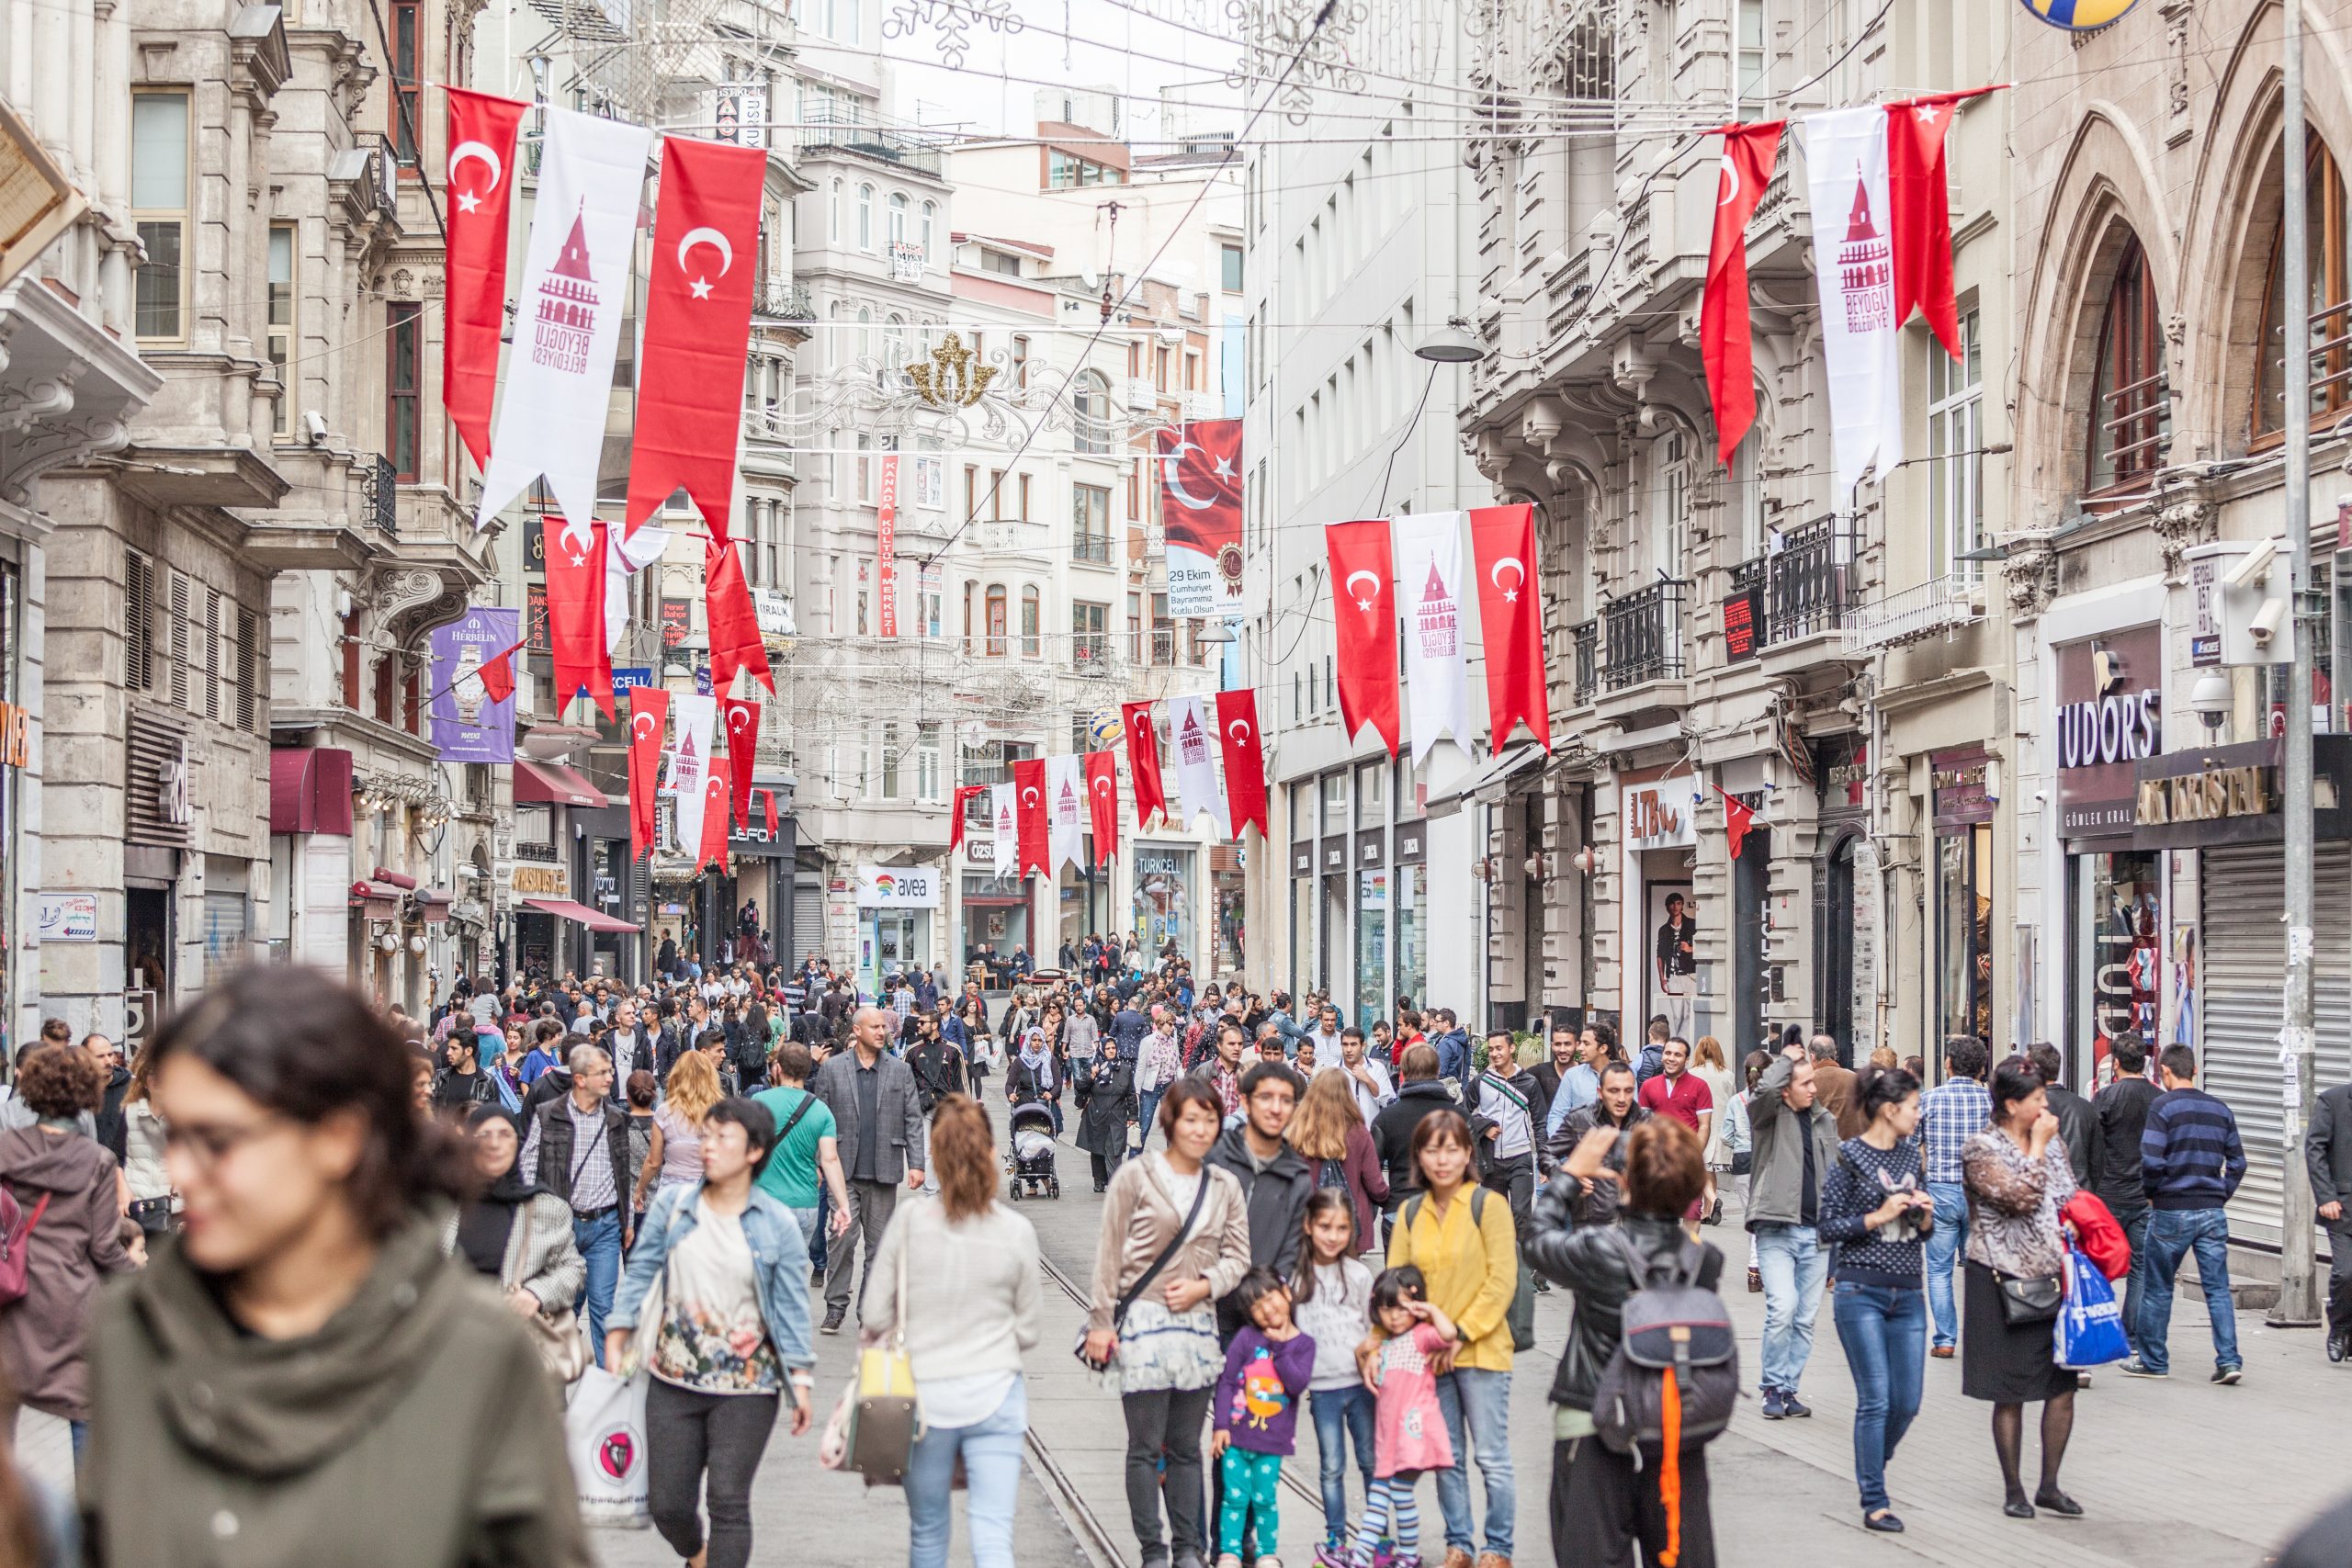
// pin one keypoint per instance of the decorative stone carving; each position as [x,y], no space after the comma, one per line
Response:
[2031,574]
[2182,521]
[397,589]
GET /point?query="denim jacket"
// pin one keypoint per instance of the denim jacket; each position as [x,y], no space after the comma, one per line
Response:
[778,1255]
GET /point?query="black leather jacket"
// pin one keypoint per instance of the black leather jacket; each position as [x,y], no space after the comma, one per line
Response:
[1587,1261]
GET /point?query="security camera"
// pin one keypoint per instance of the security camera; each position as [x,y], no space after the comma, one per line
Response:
[2253,567]
[314,427]
[2265,625]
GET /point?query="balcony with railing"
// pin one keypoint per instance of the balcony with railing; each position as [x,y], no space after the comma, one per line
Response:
[1808,591]
[900,149]
[1914,615]
[1586,637]
[384,499]
[1643,637]
[783,299]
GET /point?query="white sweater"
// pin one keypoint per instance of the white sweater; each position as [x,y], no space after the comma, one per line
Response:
[973,1288]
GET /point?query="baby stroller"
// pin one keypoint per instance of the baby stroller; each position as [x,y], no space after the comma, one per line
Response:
[1031,1163]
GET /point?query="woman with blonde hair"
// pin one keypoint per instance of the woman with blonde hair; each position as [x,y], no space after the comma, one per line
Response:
[966,1314]
[1708,1066]
[1330,1133]
[674,1158]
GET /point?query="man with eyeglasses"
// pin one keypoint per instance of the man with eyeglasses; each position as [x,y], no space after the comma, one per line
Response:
[579,1150]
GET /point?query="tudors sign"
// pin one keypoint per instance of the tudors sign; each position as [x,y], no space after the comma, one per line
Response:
[2109,717]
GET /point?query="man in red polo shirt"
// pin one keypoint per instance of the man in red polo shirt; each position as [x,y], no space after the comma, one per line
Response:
[1680,1093]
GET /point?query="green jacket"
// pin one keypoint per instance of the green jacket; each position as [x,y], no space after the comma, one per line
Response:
[1776,1170]
[416,1429]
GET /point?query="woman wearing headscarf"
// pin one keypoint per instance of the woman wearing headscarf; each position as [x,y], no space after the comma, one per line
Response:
[513,1232]
[1034,1075]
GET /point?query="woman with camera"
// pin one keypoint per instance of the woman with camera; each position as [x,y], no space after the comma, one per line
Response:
[1874,1209]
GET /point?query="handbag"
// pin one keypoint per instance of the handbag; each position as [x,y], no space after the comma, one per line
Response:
[873,1429]
[1128,1297]
[561,1342]
[2028,1298]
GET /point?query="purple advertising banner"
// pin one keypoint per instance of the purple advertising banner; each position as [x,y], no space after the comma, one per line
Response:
[466,725]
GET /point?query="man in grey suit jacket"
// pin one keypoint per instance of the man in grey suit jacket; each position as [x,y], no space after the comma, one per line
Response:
[2327,1154]
[878,1122]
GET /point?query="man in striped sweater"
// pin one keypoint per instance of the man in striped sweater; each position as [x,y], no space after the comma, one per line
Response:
[2191,1162]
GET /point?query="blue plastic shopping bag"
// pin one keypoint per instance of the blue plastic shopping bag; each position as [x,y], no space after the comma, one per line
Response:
[2089,1330]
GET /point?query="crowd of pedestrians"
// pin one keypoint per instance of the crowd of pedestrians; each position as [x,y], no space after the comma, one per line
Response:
[696,1179]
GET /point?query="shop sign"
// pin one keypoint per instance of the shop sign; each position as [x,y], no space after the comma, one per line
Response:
[15,735]
[2207,796]
[1658,815]
[1372,847]
[677,622]
[2109,717]
[1301,860]
[898,887]
[1739,625]
[1960,779]
[1374,893]
[69,916]
[1410,838]
[1334,856]
[535,879]
[626,676]
[980,852]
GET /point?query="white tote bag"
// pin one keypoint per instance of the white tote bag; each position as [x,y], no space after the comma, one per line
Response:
[603,1429]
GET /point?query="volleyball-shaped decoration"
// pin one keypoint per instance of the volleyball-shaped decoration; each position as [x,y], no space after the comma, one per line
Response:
[2080,15]
[1103,730]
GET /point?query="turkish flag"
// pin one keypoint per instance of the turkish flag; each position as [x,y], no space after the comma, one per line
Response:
[739,716]
[1102,804]
[481,164]
[715,792]
[1738,816]
[1143,761]
[735,642]
[1920,196]
[1363,619]
[697,326]
[1511,608]
[648,715]
[1245,765]
[1029,815]
[575,567]
[768,799]
[497,673]
[1749,151]
[1200,513]
[955,815]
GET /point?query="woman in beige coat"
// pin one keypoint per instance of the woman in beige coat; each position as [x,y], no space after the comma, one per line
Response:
[1155,1326]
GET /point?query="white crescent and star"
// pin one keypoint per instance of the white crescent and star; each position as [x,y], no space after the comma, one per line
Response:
[1029,795]
[1101,786]
[642,723]
[1730,181]
[705,235]
[1239,730]
[1372,594]
[1174,462]
[468,201]
[1495,575]
[738,718]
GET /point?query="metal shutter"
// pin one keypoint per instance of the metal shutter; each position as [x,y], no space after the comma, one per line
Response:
[807,933]
[2243,974]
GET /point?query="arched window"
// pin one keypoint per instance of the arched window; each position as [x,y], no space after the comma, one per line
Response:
[2330,289]
[1671,540]
[1090,409]
[894,347]
[865,331]
[2131,417]
[1031,645]
[897,218]
[930,214]
[865,218]
[996,602]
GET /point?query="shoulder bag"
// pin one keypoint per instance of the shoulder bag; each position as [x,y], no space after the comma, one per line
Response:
[2028,1298]
[561,1339]
[873,1429]
[1128,1297]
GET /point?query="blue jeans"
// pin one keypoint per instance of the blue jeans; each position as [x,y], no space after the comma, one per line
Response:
[1944,1244]
[1794,1265]
[1146,1108]
[2136,1231]
[1339,1414]
[1482,1398]
[991,1453]
[2172,1235]
[1883,1328]
[599,1241]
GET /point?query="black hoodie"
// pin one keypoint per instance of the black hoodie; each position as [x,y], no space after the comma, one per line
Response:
[1391,1133]
[1276,1199]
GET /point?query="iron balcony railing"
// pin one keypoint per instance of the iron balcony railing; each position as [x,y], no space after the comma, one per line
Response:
[384,497]
[1587,637]
[904,148]
[1808,589]
[784,300]
[1644,635]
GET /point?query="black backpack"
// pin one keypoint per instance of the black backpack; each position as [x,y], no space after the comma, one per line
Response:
[1676,1368]
[1521,1314]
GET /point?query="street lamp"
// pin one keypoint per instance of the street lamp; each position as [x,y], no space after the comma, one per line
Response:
[1452,343]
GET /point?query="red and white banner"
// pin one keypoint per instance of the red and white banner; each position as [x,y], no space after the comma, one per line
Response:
[649,712]
[1428,589]
[1363,620]
[1029,817]
[964,794]
[712,840]
[698,327]
[575,569]
[1200,513]
[886,547]
[1005,813]
[689,770]
[482,164]
[735,641]
[1511,621]
[1245,764]
[1143,761]
[739,716]
[1196,788]
[1724,327]
[1066,811]
[567,315]
[1102,804]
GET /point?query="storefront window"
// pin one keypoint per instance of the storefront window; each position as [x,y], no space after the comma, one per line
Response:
[1164,898]
[1412,968]
[1964,932]
[1372,946]
[9,895]
[1302,914]
[2115,958]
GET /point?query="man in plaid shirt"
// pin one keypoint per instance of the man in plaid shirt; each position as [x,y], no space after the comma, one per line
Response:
[1950,1115]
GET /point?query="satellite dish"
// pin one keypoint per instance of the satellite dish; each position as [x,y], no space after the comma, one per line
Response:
[1089,279]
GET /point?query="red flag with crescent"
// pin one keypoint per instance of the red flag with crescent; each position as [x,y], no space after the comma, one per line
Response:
[481,187]
[1724,328]
[1503,543]
[1102,804]
[1738,818]
[1143,761]
[956,817]
[1029,816]
[648,714]
[715,792]
[1200,511]
[1363,620]
[735,641]
[1245,764]
[575,567]
[739,716]
[697,326]
[767,798]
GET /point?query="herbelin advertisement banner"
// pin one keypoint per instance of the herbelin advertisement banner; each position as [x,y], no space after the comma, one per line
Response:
[466,725]
[2110,717]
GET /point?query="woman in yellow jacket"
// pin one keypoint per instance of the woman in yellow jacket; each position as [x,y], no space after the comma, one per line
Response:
[1460,1236]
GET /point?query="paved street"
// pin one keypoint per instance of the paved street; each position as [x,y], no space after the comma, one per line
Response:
[2260,1457]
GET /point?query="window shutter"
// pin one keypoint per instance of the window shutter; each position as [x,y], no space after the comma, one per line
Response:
[179,620]
[212,653]
[248,670]
[138,592]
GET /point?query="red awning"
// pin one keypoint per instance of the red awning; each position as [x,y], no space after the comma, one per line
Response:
[579,914]
[366,892]
[556,785]
[310,790]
